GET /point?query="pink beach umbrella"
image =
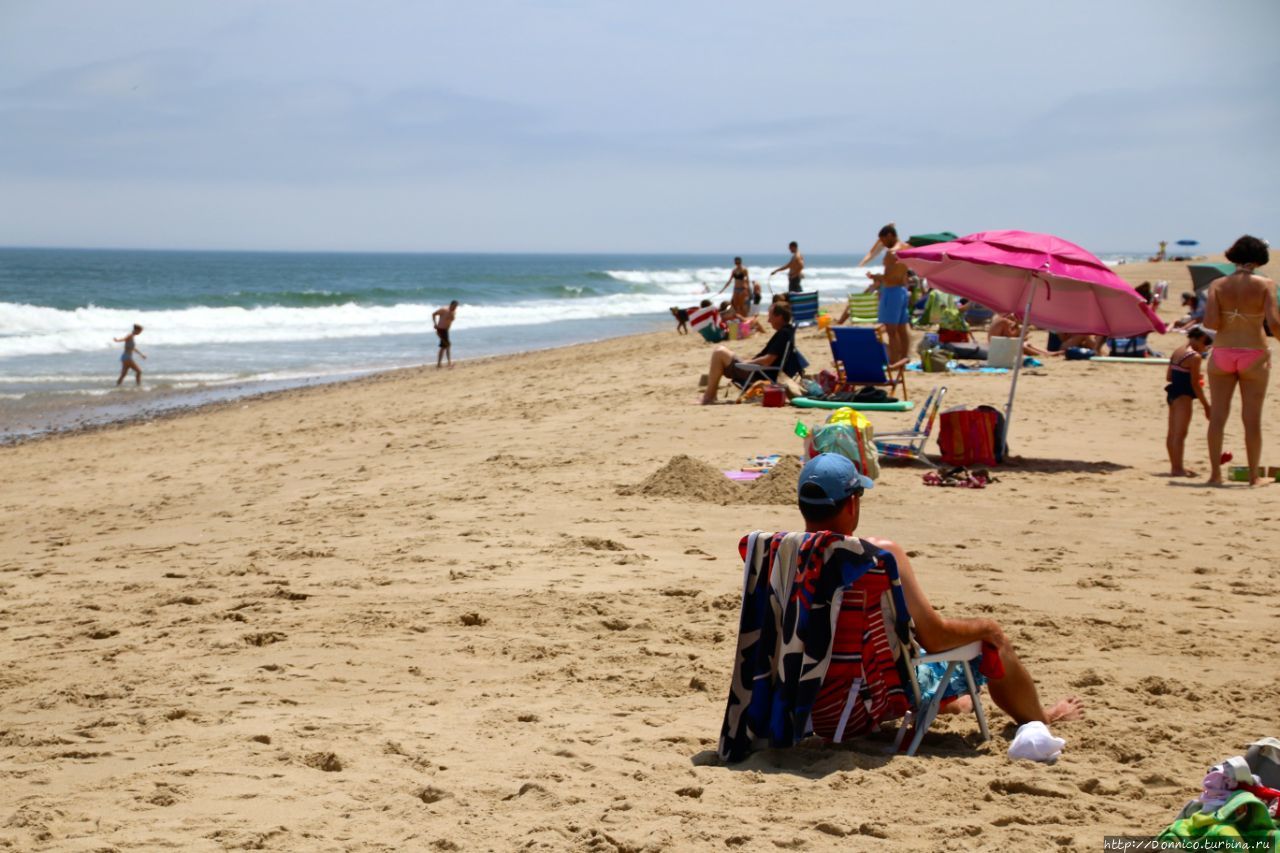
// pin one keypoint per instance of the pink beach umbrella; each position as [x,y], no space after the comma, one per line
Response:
[1040,279]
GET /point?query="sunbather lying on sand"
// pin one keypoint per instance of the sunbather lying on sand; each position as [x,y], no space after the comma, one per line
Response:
[1008,326]
[830,498]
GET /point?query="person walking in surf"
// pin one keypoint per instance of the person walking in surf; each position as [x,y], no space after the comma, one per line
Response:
[126,358]
[443,319]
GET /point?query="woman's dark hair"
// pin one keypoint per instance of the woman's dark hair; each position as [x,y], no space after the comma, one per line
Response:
[1144,290]
[136,328]
[1198,333]
[737,260]
[888,230]
[1249,250]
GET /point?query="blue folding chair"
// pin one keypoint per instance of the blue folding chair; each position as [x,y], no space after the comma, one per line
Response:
[804,308]
[861,359]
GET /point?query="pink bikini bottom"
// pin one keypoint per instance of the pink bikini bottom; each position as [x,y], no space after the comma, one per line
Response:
[1235,359]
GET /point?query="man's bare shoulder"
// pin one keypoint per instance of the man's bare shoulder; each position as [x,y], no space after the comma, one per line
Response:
[887,545]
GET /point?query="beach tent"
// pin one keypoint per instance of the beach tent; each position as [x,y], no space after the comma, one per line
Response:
[1040,279]
[1203,274]
[929,239]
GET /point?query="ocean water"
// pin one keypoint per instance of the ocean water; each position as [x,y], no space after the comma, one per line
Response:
[219,325]
[222,324]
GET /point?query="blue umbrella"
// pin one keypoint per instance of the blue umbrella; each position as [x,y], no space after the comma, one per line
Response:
[1188,242]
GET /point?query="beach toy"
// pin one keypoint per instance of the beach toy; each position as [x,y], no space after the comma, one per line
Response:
[1238,473]
[824,320]
[1225,457]
[849,417]
[801,429]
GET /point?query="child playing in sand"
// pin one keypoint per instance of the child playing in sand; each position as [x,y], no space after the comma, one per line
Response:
[1184,386]
[126,358]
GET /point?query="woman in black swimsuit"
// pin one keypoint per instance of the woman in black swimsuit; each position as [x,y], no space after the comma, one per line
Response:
[741,281]
[1184,386]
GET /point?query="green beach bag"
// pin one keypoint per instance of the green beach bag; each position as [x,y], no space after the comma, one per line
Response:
[1241,823]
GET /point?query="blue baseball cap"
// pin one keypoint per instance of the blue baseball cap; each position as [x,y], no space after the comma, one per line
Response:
[829,478]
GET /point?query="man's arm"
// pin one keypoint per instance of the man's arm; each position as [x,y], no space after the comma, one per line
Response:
[871,253]
[934,631]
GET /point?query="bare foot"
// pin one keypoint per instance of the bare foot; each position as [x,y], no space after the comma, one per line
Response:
[1214,481]
[1183,472]
[1066,710]
[961,705]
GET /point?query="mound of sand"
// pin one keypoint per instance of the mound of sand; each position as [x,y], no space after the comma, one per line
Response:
[776,487]
[686,478]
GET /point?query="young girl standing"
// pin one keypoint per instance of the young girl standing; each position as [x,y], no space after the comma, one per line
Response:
[1184,387]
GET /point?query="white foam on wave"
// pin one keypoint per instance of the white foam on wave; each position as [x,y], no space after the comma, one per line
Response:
[32,330]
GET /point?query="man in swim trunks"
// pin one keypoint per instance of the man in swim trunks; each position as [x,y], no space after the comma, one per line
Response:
[830,498]
[894,311]
[443,319]
[794,268]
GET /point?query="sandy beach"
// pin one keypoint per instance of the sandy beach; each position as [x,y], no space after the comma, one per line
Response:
[492,608]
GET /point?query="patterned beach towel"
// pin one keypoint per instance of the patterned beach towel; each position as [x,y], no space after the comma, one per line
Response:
[793,584]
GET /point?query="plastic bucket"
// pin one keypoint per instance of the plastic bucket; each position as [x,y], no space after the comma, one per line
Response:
[774,397]
[1002,352]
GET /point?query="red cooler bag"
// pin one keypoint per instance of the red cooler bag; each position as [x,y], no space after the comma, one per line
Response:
[971,436]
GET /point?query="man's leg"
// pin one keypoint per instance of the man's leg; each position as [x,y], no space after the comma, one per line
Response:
[900,341]
[1016,695]
[721,358]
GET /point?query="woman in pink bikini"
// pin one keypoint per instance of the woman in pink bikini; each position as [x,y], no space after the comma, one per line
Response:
[1237,305]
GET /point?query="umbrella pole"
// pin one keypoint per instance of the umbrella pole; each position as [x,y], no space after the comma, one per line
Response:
[1017,365]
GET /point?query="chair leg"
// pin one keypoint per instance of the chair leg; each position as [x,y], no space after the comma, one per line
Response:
[977,701]
[929,713]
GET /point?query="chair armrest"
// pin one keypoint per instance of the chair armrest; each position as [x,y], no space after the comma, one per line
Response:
[899,365]
[969,651]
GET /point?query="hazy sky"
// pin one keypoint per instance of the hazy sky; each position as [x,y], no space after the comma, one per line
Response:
[645,126]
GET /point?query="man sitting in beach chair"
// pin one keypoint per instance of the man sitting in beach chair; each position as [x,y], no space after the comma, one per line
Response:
[778,354]
[780,688]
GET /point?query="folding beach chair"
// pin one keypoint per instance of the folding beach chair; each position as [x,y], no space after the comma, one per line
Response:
[861,359]
[1133,347]
[977,315]
[874,673]
[792,364]
[804,308]
[909,444]
[707,322]
[863,308]
[798,671]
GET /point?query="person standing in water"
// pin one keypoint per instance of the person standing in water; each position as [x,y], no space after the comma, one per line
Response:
[130,350]
[443,319]
[794,268]
[1237,306]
